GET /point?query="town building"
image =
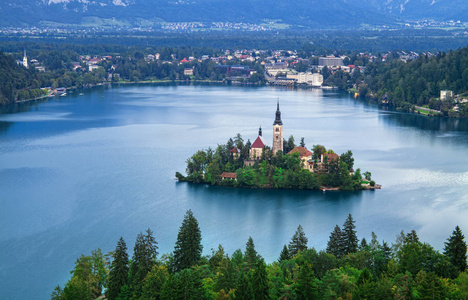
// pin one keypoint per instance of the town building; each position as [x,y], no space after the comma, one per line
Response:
[446,95]
[25,60]
[330,61]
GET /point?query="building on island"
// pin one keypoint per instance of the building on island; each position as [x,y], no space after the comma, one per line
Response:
[257,147]
[306,157]
[277,132]
[309,162]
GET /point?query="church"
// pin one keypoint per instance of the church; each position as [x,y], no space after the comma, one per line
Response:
[306,156]
[256,149]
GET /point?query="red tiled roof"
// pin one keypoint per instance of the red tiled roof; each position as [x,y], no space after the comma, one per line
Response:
[301,150]
[332,156]
[259,142]
[234,150]
[229,175]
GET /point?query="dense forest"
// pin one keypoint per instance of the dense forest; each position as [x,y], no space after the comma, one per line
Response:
[416,82]
[283,171]
[347,269]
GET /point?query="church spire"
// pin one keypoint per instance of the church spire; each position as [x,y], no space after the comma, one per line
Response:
[260,131]
[278,116]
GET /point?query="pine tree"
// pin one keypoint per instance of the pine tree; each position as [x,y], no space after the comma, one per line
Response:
[260,281]
[334,245]
[188,248]
[251,255]
[455,249]
[284,254]
[143,260]
[298,242]
[118,274]
[306,286]
[349,238]
[244,288]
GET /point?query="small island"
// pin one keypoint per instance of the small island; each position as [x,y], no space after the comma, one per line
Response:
[283,166]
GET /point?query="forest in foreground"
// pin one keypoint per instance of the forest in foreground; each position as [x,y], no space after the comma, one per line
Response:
[347,269]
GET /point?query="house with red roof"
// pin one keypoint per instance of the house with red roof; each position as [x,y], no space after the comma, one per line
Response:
[229,176]
[306,157]
[235,152]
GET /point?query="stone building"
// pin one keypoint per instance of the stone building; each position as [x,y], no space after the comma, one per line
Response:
[277,132]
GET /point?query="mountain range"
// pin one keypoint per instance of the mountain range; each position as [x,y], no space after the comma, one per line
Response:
[301,13]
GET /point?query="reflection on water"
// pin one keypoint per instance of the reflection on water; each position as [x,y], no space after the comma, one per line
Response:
[437,124]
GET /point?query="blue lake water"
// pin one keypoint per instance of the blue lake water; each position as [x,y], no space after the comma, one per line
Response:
[78,172]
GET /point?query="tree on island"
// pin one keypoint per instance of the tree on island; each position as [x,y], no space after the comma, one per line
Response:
[118,273]
[298,242]
[188,248]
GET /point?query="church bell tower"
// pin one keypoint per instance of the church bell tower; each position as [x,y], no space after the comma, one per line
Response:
[277,132]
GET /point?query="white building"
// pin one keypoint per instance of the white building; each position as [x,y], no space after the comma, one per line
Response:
[330,61]
[314,79]
[317,79]
[445,94]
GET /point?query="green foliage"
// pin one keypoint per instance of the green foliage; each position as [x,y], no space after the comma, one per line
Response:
[298,242]
[268,171]
[118,274]
[369,272]
[348,236]
[188,248]
[284,255]
[455,249]
[143,260]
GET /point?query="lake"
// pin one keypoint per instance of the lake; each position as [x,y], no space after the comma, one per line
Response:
[80,171]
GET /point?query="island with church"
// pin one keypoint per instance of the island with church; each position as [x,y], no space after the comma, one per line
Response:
[283,166]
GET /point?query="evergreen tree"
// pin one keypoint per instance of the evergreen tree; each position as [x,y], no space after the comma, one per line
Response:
[143,260]
[188,248]
[251,255]
[260,281]
[363,245]
[154,282]
[306,286]
[334,245]
[455,249]
[284,254]
[302,144]
[349,238]
[118,274]
[298,242]
[244,288]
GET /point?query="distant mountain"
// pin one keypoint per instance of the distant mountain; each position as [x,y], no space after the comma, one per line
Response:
[303,13]
[439,10]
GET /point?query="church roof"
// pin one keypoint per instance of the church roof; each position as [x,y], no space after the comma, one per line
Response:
[259,142]
[301,150]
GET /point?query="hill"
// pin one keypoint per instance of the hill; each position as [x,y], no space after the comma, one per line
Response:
[301,14]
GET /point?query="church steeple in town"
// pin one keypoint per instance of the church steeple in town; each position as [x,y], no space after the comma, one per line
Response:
[277,131]
[25,59]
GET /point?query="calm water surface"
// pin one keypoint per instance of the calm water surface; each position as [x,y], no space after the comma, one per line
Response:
[80,171]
